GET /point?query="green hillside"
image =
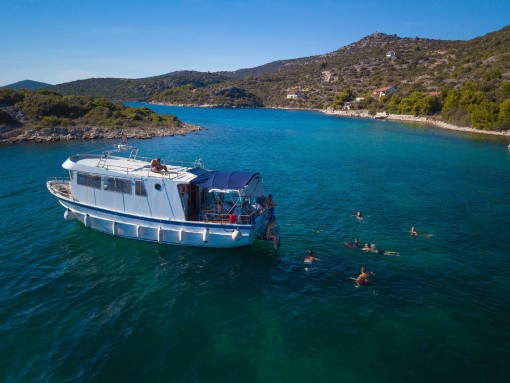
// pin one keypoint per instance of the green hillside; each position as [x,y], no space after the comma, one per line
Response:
[465,82]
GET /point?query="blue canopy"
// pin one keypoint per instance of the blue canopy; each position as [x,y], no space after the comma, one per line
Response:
[224,180]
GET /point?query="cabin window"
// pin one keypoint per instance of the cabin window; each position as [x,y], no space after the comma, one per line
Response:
[157,187]
[89,180]
[140,189]
[117,185]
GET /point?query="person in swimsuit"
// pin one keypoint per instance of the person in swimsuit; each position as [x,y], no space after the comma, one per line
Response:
[356,245]
[413,231]
[270,205]
[309,259]
[359,215]
[363,278]
[368,247]
[270,234]
[157,167]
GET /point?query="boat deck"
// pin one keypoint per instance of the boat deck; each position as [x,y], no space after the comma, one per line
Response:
[132,167]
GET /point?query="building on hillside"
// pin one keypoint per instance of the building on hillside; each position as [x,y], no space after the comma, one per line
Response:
[384,91]
[391,55]
[293,94]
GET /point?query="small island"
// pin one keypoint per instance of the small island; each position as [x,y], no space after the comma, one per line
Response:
[43,116]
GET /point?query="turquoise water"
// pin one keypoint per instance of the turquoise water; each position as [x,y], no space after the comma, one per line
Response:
[81,306]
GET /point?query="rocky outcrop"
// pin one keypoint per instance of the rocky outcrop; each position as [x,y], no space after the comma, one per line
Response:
[17,134]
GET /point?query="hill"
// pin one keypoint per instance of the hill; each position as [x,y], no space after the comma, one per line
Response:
[466,82]
[26,84]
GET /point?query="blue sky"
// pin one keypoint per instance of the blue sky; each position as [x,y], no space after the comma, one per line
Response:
[57,41]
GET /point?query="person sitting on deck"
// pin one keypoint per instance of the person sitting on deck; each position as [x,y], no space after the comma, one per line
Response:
[157,167]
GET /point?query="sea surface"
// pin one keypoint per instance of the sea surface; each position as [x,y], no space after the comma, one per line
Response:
[82,306]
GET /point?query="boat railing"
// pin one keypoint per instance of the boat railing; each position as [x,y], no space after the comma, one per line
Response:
[58,179]
[209,215]
[183,164]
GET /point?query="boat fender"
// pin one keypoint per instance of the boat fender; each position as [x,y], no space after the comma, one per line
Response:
[69,215]
[160,234]
[138,231]
[205,235]
[181,235]
[87,220]
[236,235]
[114,228]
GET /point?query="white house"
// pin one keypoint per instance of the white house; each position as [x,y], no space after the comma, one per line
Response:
[384,91]
[294,94]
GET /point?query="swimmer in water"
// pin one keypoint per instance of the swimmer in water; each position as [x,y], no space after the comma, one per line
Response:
[357,245]
[309,258]
[363,278]
[359,216]
[372,249]
[414,232]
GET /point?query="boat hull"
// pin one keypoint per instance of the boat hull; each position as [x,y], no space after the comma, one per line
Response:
[187,233]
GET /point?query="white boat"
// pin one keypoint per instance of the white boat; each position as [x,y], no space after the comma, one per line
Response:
[117,192]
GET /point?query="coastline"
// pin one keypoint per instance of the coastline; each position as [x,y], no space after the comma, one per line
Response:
[23,134]
[433,121]
[425,120]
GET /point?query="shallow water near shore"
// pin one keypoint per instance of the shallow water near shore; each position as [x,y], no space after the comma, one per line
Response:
[81,306]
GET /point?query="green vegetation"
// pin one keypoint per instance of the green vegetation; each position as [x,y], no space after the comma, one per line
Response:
[472,106]
[43,109]
[473,78]
[232,97]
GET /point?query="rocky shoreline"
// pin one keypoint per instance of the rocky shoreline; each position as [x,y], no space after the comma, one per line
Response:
[426,120]
[20,134]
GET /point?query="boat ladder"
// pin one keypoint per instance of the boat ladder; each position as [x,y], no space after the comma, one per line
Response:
[133,154]
[102,161]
